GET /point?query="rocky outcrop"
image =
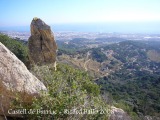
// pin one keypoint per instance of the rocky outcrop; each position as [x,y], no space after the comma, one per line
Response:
[118,114]
[151,118]
[42,45]
[15,81]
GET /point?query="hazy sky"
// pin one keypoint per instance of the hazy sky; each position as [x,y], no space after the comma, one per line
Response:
[21,12]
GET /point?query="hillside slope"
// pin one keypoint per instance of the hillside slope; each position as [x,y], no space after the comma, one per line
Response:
[129,72]
[71,93]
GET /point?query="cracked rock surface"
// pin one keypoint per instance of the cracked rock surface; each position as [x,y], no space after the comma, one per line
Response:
[42,45]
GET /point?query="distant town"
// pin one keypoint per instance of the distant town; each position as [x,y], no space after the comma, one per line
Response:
[66,36]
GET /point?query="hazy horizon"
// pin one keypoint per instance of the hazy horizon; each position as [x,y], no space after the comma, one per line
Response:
[138,16]
[111,27]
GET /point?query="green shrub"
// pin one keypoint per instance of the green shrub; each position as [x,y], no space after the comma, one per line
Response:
[17,47]
[68,89]
[98,55]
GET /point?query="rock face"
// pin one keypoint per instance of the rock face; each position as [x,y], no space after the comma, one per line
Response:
[118,114]
[42,45]
[151,118]
[15,81]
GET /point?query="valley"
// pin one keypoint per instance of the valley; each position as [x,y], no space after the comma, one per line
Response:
[128,71]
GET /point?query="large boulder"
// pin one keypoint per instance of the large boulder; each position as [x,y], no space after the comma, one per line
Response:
[42,45]
[16,81]
[118,114]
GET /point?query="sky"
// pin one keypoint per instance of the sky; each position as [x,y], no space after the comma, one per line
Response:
[86,12]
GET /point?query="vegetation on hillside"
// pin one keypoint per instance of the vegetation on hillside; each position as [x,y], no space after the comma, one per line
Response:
[137,82]
[71,95]
[134,84]
[98,55]
[64,48]
[18,47]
